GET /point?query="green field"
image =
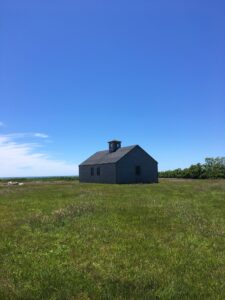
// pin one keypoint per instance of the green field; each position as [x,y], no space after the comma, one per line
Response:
[65,240]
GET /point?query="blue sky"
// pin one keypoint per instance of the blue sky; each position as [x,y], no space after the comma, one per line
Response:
[75,74]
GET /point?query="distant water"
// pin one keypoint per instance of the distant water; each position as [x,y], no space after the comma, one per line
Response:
[39,177]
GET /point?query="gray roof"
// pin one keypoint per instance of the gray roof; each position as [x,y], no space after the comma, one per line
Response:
[105,157]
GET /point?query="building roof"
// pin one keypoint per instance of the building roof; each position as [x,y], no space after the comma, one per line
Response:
[105,157]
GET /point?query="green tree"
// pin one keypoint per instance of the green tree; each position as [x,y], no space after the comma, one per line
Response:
[212,168]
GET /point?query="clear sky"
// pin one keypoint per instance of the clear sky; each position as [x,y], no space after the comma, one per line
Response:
[75,74]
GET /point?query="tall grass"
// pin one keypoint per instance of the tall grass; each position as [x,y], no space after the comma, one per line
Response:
[67,240]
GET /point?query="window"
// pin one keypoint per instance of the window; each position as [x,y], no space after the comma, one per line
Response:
[137,170]
[98,171]
[92,171]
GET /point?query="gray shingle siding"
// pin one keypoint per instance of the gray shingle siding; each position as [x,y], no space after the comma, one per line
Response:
[107,173]
[137,157]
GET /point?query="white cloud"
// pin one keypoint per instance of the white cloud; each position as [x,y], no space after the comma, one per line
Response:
[19,135]
[23,159]
[41,135]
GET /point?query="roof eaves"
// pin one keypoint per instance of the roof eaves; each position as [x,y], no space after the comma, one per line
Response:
[98,164]
[147,154]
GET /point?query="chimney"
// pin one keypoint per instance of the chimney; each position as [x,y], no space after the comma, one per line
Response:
[114,145]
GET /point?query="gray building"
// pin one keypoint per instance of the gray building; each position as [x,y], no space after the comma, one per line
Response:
[119,165]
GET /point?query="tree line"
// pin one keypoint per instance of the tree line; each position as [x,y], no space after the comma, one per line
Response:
[212,168]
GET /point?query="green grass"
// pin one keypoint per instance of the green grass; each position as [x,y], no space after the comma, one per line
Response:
[65,240]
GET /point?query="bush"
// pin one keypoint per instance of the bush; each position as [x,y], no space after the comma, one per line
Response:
[212,168]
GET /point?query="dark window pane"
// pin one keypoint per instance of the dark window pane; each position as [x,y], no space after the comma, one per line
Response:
[92,171]
[137,170]
[98,171]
